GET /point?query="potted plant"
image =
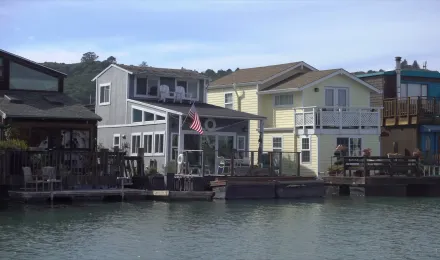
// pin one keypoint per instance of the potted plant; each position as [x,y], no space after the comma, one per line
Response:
[417,153]
[335,170]
[366,152]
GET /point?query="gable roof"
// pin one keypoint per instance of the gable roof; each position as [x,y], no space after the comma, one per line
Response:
[306,80]
[31,64]
[161,72]
[43,105]
[203,109]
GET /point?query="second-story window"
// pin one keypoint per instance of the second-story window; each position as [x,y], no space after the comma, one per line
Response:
[104,94]
[25,78]
[229,101]
[141,86]
[283,100]
[412,90]
[146,87]
[190,86]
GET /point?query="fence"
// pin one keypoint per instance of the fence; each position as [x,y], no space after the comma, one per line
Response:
[72,169]
[378,165]
[238,163]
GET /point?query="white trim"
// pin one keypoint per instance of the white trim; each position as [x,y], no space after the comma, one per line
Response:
[143,122]
[338,72]
[155,107]
[309,150]
[152,143]
[224,100]
[174,147]
[102,85]
[111,65]
[280,95]
[119,138]
[131,142]
[163,143]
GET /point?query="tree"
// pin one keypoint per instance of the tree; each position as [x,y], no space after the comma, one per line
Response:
[404,64]
[381,70]
[111,60]
[143,64]
[237,69]
[89,57]
[415,65]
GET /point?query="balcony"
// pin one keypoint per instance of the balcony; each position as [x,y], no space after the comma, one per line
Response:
[337,120]
[411,111]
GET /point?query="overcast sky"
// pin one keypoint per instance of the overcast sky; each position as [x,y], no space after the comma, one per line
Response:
[201,34]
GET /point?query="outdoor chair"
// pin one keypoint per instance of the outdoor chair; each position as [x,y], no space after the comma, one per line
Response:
[222,165]
[30,179]
[50,176]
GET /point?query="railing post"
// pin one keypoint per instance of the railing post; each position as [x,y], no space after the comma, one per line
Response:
[360,119]
[270,162]
[104,161]
[320,118]
[314,118]
[408,103]
[304,120]
[140,162]
[232,166]
[298,164]
[252,161]
[340,118]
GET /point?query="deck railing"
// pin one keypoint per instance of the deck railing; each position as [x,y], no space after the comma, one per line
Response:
[411,106]
[337,117]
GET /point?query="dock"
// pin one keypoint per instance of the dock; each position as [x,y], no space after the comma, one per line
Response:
[107,194]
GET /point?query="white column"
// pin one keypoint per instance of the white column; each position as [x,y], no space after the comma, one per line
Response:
[179,142]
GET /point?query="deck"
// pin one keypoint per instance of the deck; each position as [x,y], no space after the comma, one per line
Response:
[410,111]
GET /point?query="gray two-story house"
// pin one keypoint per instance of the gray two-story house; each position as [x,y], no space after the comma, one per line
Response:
[146,107]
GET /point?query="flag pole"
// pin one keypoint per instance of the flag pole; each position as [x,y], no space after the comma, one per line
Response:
[183,122]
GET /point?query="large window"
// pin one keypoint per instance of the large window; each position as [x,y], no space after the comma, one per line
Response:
[412,90]
[141,86]
[353,145]
[148,143]
[190,86]
[283,100]
[137,116]
[24,78]
[305,150]
[104,94]
[229,101]
[158,143]
[241,146]
[135,143]
[337,97]
[140,115]
[117,141]
[146,87]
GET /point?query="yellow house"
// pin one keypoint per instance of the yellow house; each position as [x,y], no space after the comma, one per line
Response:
[308,110]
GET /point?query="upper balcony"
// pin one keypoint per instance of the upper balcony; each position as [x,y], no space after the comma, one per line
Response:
[337,120]
[411,111]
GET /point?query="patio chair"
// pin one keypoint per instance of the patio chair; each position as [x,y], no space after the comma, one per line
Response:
[179,94]
[164,92]
[29,178]
[222,165]
[50,176]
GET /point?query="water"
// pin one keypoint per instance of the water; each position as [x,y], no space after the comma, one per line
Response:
[343,228]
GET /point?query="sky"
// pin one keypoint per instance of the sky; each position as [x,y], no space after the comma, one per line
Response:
[204,34]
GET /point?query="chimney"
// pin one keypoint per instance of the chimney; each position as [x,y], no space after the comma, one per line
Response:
[398,69]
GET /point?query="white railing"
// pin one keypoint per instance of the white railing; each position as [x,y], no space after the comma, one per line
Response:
[337,117]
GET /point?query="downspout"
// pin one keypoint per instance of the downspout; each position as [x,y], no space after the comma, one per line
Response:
[398,72]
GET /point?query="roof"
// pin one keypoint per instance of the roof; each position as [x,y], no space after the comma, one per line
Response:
[15,57]
[43,105]
[404,72]
[203,109]
[161,72]
[253,74]
[301,80]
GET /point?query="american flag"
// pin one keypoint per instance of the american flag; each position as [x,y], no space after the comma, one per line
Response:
[196,125]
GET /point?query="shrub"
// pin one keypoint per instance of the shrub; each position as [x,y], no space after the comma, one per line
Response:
[13,144]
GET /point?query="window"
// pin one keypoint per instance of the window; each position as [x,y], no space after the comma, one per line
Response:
[174,145]
[158,143]
[170,82]
[117,141]
[193,89]
[135,143]
[305,149]
[148,143]
[353,144]
[137,116]
[24,78]
[229,101]
[141,86]
[158,117]
[412,90]
[337,97]
[283,100]
[152,87]
[241,146]
[104,94]
[277,144]
[148,116]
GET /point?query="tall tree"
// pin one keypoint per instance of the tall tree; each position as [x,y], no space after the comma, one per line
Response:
[111,59]
[89,57]
[415,65]
[143,64]
[237,69]
[404,64]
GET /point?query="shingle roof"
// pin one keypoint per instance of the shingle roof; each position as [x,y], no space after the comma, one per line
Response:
[301,80]
[43,105]
[204,110]
[252,74]
[164,72]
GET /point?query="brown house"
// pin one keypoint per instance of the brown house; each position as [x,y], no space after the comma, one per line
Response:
[32,102]
[411,109]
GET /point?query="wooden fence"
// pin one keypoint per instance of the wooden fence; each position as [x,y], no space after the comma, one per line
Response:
[379,165]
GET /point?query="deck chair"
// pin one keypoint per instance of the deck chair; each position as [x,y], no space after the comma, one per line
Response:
[29,178]
[50,176]
[164,92]
[222,165]
[179,94]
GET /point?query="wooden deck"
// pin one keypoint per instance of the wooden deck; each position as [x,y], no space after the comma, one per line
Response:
[410,111]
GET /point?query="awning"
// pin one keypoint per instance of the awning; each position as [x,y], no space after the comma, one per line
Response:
[430,128]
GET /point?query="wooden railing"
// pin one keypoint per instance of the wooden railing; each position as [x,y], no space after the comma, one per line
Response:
[411,106]
[380,165]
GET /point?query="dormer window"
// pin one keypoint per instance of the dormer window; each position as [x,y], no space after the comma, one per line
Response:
[24,78]
[146,87]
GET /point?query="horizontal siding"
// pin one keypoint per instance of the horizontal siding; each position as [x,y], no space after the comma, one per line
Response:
[289,158]
[310,169]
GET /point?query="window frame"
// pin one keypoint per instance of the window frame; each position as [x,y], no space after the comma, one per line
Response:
[306,150]
[138,134]
[229,103]
[241,150]
[336,97]
[103,85]
[119,143]
[147,83]
[174,147]
[405,86]
[278,148]
[187,86]
[279,97]
[349,144]
[144,134]
[143,122]
[163,143]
